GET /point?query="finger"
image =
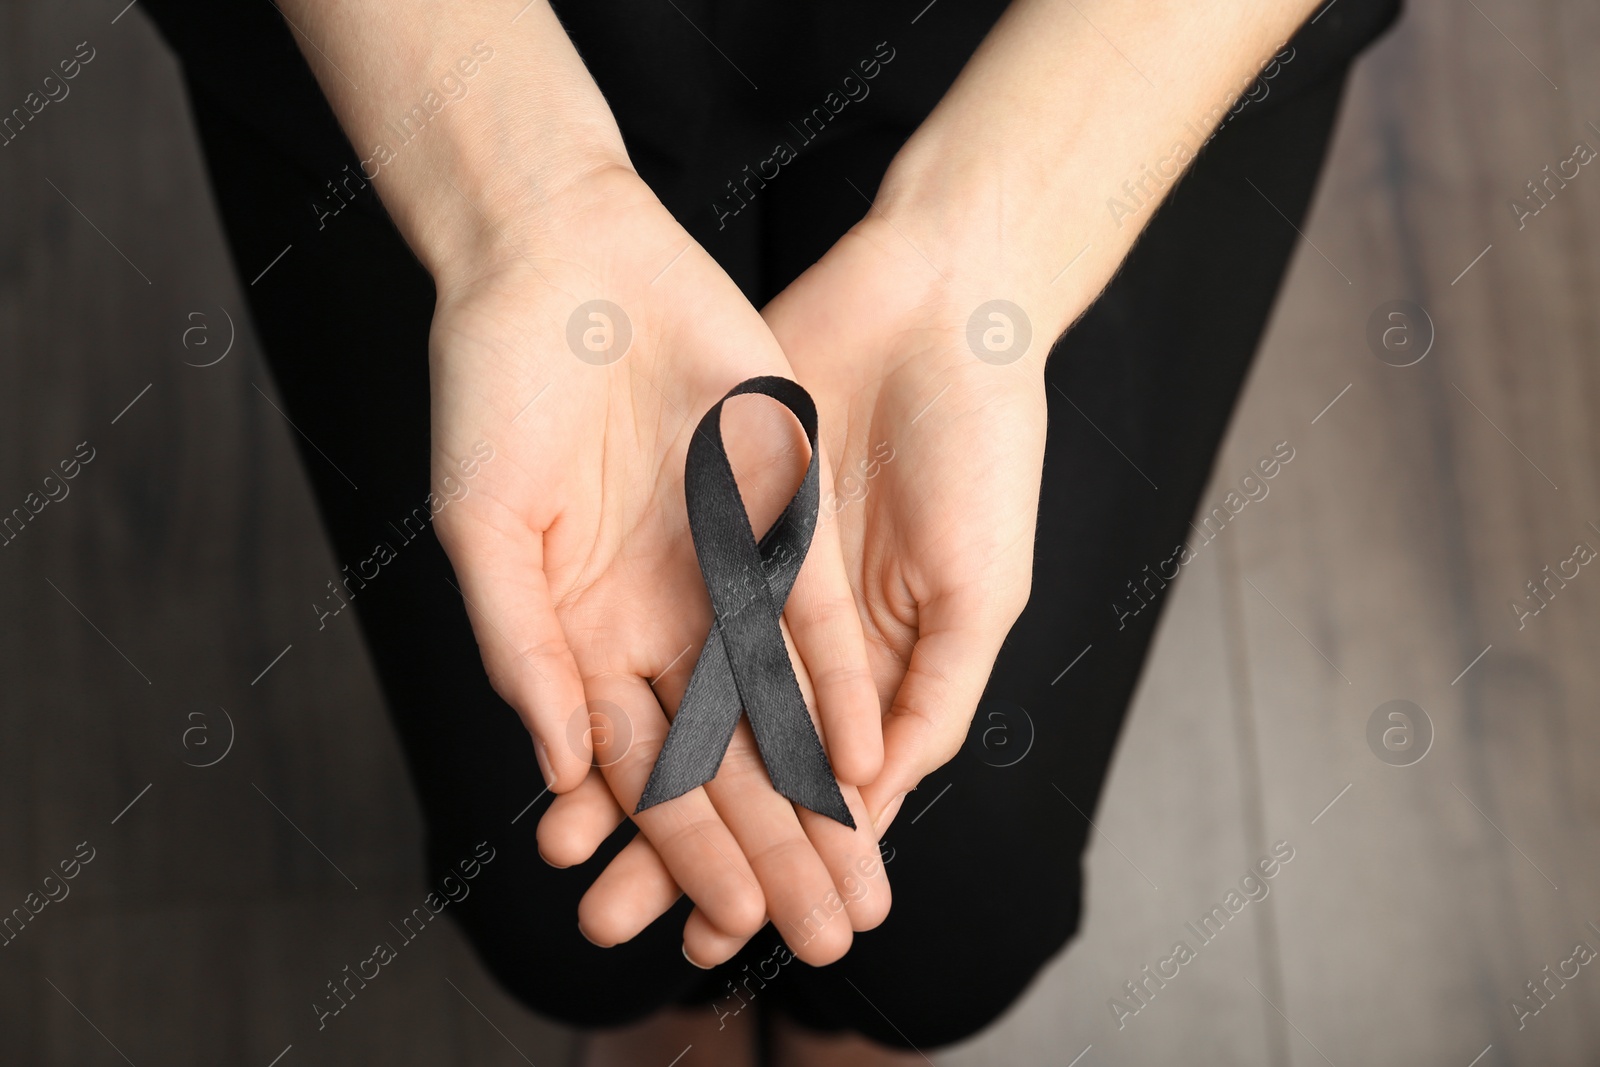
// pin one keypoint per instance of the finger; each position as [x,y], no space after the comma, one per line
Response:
[524,649]
[844,851]
[793,877]
[854,874]
[858,873]
[854,864]
[632,892]
[704,945]
[687,832]
[578,822]
[933,708]
[825,624]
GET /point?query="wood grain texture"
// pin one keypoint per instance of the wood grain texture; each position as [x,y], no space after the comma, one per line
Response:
[1384,562]
[1422,901]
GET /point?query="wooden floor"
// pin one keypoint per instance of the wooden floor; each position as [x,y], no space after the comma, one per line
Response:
[1419,901]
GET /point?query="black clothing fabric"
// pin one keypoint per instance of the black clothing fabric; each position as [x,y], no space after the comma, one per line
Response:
[987,883]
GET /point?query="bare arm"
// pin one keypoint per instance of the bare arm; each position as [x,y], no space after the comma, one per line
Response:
[473,117]
[1068,109]
[560,343]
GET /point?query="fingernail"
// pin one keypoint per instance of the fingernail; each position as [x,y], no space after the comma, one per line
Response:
[889,813]
[544,763]
[589,939]
[690,958]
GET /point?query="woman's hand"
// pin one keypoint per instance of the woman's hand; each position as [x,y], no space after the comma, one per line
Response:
[923,333]
[938,439]
[572,549]
[575,559]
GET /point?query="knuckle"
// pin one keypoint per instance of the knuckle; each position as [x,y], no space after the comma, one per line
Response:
[634,763]
[838,676]
[686,833]
[829,611]
[741,765]
[743,913]
[773,853]
[512,667]
[543,650]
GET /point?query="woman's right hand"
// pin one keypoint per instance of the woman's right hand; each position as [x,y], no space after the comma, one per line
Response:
[572,546]
[574,557]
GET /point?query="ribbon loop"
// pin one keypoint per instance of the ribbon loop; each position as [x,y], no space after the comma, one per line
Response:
[744,664]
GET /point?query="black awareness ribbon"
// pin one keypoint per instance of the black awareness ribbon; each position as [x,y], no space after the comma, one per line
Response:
[744,664]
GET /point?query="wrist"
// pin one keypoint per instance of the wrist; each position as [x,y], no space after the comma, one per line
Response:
[995,278]
[1021,177]
[990,234]
[493,174]
[490,194]
[472,123]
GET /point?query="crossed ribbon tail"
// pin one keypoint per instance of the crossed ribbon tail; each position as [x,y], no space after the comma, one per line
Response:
[744,664]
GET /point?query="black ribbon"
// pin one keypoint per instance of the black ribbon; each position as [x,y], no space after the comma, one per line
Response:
[744,663]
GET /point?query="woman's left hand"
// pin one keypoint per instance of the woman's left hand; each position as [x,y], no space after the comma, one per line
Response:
[932,400]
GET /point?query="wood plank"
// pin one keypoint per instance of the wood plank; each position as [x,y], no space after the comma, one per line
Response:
[1174,838]
[1411,522]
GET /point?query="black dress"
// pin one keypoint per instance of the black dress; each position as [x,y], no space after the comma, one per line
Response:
[987,885]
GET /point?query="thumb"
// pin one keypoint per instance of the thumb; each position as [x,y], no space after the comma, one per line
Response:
[524,649]
[933,708]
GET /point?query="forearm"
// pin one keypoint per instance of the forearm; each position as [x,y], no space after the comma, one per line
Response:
[1063,133]
[469,119]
